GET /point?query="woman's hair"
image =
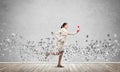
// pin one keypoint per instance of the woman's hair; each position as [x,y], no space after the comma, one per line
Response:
[63,25]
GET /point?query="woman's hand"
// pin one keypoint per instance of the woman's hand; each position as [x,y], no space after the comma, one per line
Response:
[78,30]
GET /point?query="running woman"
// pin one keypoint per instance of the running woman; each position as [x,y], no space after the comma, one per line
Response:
[61,36]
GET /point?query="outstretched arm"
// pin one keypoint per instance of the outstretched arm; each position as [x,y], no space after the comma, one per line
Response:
[73,33]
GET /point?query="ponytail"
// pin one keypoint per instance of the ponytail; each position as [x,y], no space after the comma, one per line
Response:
[63,25]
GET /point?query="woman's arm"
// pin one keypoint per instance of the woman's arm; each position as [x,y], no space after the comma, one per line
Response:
[57,35]
[72,33]
[75,32]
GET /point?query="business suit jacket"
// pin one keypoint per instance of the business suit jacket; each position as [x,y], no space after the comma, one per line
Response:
[61,36]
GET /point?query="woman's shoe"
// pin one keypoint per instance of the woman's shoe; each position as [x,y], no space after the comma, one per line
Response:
[47,54]
[60,66]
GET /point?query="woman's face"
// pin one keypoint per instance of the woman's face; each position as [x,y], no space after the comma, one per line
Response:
[66,26]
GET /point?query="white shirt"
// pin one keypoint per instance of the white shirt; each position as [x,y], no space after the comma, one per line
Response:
[62,34]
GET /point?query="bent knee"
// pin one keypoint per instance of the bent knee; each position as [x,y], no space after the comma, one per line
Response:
[61,52]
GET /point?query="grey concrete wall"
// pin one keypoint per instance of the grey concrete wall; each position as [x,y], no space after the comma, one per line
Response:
[36,19]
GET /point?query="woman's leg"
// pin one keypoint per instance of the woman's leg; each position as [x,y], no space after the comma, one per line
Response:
[60,58]
[61,50]
[51,53]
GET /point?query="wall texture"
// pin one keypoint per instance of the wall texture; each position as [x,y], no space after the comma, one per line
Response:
[27,29]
